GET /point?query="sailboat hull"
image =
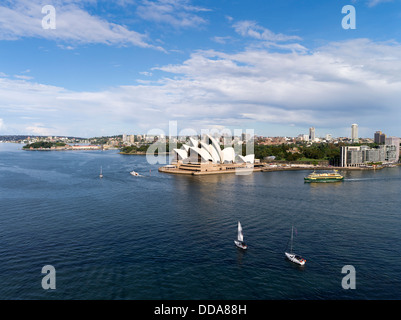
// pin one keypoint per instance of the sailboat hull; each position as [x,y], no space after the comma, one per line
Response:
[295,258]
[240,244]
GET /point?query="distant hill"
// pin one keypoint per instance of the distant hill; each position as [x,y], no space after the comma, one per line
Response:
[24,137]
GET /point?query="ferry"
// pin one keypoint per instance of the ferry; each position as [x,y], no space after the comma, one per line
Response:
[324,177]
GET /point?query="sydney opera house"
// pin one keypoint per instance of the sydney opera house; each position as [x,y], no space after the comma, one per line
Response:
[206,157]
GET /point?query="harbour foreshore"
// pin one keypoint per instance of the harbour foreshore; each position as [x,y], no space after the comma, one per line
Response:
[195,169]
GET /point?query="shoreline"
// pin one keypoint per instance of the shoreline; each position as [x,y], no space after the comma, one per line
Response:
[261,168]
[141,153]
[322,168]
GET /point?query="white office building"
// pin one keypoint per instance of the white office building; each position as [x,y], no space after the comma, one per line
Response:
[354,133]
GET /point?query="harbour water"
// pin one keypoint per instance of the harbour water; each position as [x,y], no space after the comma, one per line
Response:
[161,236]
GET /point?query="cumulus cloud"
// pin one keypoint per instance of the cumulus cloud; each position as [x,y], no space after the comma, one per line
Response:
[334,85]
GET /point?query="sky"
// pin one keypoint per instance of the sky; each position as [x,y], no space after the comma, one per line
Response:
[100,68]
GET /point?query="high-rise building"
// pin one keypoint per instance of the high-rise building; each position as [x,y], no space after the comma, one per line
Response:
[354,133]
[312,134]
[379,137]
[395,141]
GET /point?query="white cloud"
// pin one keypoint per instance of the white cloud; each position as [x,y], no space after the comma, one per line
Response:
[372,3]
[253,30]
[23,77]
[23,18]
[65,47]
[221,40]
[40,129]
[177,13]
[343,82]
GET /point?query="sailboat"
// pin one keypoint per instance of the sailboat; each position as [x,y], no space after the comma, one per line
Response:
[240,238]
[101,174]
[292,256]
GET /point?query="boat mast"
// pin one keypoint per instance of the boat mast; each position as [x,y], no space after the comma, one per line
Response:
[292,231]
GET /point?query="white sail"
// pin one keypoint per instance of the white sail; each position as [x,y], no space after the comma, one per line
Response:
[240,235]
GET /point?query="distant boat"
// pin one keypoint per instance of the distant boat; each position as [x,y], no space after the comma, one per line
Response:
[134,173]
[240,238]
[292,256]
[324,177]
[101,174]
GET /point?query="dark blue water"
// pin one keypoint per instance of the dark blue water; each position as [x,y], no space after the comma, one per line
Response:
[162,236]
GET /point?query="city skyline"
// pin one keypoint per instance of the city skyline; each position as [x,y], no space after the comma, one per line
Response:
[131,66]
[311,137]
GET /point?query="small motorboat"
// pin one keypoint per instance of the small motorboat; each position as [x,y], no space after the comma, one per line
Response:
[134,173]
[240,239]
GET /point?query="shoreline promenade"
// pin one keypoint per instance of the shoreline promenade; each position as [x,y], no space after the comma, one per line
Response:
[172,169]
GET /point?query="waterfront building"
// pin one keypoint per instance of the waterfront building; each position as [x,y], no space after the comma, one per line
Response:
[396,142]
[379,137]
[392,154]
[351,156]
[356,156]
[206,157]
[354,133]
[208,150]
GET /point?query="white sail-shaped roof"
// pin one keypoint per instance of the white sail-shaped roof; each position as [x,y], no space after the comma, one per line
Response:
[228,155]
[250,158]
[210,152]
[204,154]
[241,158]
[193,142]
[205,146]
[215,155]
[210,149]
[216,146]
[182,154]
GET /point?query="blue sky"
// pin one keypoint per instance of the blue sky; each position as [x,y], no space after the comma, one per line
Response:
[129,66]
